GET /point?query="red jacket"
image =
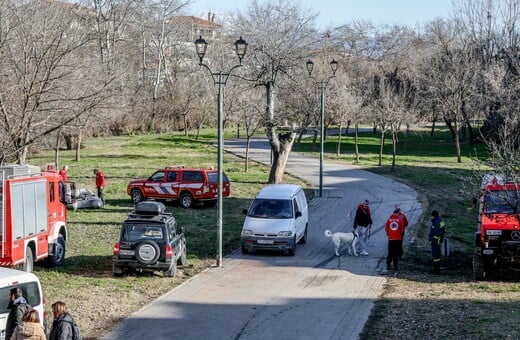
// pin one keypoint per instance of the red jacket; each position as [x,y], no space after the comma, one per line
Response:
[395,227]
[100,180]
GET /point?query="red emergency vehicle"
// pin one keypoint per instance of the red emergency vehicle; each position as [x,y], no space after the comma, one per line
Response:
[497,240]
[32,217]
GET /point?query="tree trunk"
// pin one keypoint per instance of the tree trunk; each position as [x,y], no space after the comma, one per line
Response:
[185,123]
[381,146]
[394,148]
[450,126]
[78,145]
[356,142]
[338,148]
[457,143]
[246,165]
[281,145]
[57,150]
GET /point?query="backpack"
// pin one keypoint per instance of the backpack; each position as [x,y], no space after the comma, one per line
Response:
[76,334]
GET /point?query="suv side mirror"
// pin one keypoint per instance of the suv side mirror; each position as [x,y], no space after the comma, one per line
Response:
[181,230]
[298,214]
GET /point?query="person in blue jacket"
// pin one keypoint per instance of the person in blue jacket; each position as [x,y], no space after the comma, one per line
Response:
[436,237]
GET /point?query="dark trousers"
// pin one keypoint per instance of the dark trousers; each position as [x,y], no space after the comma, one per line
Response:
[395,251]
[436,257]
[100,195]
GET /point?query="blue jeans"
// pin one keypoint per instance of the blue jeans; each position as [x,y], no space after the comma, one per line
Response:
[363,237]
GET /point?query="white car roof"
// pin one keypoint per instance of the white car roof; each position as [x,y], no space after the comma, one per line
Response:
[279,191]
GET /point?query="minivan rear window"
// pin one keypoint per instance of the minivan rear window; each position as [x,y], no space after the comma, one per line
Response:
[31,293]
[271,208]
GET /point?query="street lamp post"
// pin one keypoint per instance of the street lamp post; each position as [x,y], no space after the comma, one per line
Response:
[220,78]
[322,85]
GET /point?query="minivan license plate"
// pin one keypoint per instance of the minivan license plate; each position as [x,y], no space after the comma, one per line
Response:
[265,241]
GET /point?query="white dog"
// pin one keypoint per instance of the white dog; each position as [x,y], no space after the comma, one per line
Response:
[349,238]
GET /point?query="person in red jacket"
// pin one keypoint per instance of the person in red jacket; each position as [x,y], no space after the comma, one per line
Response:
[394,229]
[63,173]
[100,184]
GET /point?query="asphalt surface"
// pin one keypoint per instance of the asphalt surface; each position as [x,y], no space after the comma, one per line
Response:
[313,295]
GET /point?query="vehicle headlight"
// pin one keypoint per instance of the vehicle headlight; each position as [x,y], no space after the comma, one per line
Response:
[285,233]
[247,232]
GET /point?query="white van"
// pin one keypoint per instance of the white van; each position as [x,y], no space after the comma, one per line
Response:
[276,220]
[32,292]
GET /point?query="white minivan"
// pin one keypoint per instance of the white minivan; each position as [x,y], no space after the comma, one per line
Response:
[32,292]
[276,220]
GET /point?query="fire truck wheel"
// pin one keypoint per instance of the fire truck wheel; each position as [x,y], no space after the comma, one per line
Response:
[59,253]
[148,252]
[29,260]
[186,200]
[137,196]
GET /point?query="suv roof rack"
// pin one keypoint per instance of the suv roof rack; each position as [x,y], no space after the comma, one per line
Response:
[149,208]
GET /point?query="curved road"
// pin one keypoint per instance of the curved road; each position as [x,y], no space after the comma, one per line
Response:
[313,295]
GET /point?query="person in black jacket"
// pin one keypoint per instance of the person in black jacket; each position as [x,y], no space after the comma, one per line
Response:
[63,324]
[363,223]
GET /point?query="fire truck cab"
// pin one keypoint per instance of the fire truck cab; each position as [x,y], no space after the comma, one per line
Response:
[497,240]
[32,217]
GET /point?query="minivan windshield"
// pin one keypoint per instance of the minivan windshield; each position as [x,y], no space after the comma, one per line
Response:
[271,208]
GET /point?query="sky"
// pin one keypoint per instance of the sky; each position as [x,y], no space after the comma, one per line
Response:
[338,12]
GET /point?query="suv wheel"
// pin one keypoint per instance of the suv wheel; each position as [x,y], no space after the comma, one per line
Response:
[147,252]
[137,196]
[186,200]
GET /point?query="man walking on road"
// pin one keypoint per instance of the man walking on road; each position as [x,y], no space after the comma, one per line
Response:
[363,223]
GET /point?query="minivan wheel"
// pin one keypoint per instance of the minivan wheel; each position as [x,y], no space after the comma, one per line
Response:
[303,240]
[292,251]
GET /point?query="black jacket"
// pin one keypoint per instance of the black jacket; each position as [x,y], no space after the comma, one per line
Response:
[62,328]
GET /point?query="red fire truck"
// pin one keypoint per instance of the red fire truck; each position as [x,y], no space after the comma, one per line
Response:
[32,217]
[497,240]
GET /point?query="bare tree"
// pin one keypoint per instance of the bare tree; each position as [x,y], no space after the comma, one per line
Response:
[277,33]
[50,78]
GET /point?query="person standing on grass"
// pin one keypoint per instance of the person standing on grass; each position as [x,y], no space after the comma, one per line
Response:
[63,173]
[436,237]
[363,223]
[30,327]
[100,184]
[394,229]
[405,222]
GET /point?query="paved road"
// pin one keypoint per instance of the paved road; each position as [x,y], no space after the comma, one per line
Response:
[313,295]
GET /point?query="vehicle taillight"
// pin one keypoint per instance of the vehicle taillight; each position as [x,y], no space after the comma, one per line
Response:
[116,249]
[169,251]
